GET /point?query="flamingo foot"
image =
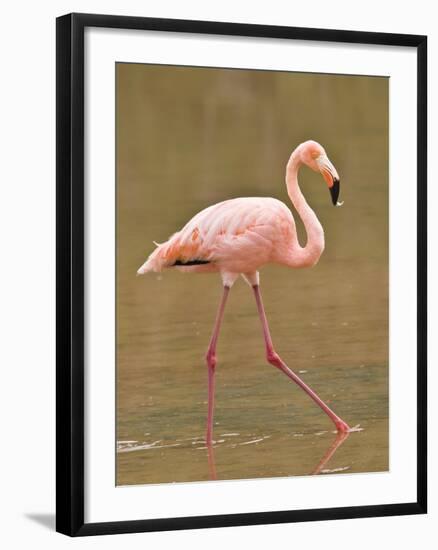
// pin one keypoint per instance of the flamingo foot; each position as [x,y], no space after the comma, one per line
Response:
[342,427]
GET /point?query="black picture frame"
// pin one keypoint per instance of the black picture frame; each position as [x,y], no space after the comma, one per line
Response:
[70,272]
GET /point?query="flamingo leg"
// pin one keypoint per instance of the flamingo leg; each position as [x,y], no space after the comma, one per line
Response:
[211,360]
[273,358]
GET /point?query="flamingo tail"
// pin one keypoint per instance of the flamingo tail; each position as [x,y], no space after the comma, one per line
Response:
[157,260]
[174,252]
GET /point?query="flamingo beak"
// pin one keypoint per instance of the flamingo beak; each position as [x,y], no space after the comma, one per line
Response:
[331,177]
[334,191]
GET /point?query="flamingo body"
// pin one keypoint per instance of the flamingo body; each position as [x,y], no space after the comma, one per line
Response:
[237,236]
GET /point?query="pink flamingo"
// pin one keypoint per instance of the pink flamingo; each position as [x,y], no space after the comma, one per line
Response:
[238,236]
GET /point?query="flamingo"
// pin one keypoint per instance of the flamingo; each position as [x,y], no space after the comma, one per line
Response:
[237,237]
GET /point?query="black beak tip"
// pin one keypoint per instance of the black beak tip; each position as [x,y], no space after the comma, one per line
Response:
[334,191]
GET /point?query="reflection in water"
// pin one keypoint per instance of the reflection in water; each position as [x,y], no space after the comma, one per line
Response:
[187,138]
[337,442]
[340,438]
[211,463]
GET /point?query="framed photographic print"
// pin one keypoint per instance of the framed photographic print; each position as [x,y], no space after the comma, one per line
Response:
[241,274]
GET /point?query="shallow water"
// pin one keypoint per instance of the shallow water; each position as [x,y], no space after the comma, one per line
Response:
[188,138]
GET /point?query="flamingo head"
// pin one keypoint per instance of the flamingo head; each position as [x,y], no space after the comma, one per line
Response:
[314,156]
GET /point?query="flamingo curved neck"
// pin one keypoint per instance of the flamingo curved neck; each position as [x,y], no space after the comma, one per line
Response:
[308,255]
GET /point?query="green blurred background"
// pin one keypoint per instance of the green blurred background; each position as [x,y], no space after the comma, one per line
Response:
[187,138]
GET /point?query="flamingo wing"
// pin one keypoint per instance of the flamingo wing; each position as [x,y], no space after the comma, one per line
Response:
[237,235]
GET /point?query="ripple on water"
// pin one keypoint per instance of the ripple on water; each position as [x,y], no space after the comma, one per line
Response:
[334,470]
[131,446]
